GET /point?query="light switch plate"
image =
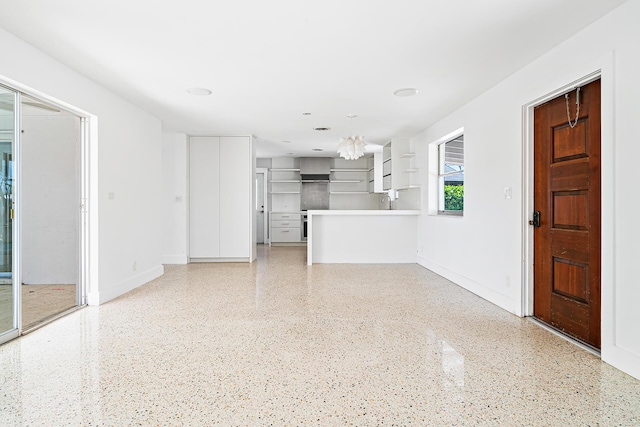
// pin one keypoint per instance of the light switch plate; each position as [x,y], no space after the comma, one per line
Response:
[508,193]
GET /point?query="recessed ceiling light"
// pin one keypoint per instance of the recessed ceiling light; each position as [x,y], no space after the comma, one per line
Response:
[199,91]
[408,91]
[306,114]
[321,128]
[317,149]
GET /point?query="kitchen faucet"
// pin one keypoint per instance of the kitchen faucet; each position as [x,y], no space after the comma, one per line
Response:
[391,196]
[382,200]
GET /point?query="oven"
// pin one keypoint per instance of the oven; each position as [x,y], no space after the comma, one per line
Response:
[304,226]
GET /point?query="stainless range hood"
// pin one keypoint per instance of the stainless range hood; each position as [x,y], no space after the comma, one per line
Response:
[314,173]
[315,169]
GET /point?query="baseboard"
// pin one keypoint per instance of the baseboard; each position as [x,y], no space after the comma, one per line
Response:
[482,291]
[107,293]
[220,260]
[621,358]
[175,259]
[93,298]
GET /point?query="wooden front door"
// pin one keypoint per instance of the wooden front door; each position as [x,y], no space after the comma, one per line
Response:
[567,197]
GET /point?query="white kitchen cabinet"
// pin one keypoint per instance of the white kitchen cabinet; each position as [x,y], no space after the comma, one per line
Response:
[403,165]
[204,197]
[284,188]
[235,196]
[375,165]
[221,173]
[286,227]
[386,167]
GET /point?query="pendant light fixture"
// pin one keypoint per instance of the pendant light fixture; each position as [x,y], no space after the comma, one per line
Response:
[351,147]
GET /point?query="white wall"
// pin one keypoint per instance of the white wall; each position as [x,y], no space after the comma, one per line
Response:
[50,197]
[126,161]
[175,193]
[485,251]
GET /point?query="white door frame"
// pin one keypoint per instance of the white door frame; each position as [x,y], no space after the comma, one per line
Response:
[265,171]
[606,75]
[528,182]
[88,206]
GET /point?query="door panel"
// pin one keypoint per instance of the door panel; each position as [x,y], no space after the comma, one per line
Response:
[567,194]
[235,197]
[50,215]
[204,197]
[260,229]
[8,289]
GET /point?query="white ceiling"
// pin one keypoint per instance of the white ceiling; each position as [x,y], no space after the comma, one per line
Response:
[267,62]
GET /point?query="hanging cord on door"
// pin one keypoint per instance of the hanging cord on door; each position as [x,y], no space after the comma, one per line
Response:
[566,97]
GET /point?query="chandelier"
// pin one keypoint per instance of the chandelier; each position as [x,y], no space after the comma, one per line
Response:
[351,147]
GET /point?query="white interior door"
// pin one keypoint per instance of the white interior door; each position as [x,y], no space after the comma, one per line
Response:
[260,206]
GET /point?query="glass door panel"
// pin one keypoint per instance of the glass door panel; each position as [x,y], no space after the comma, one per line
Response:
[49,211]
[8,290]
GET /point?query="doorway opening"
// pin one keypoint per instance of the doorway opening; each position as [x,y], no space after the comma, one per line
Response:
[562,276]
[50,217]
[43,212]
[262,229]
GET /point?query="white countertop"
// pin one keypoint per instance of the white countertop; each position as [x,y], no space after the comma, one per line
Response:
[364,212]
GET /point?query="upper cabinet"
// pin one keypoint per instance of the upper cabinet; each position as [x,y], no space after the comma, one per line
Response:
[375,172]
[386,167]
[403,164]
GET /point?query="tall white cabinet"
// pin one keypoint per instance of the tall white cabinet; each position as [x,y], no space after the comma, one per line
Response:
[221,195]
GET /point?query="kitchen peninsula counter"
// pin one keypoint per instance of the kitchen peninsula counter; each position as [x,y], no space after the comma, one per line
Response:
[362,236]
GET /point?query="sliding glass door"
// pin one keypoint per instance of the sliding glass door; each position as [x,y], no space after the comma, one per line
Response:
[9,298]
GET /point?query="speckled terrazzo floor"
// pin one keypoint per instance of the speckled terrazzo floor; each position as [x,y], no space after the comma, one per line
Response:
[278,343]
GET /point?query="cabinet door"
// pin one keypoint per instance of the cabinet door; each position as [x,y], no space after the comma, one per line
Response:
[235,197]
[204,197]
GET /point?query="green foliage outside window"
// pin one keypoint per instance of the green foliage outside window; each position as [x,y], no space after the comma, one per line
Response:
[453,197]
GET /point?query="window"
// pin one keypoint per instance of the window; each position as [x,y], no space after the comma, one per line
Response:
[451,176]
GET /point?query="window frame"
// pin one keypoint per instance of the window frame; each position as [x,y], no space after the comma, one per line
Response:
[441,174]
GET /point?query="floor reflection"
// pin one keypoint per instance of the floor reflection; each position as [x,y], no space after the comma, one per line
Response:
[280,343]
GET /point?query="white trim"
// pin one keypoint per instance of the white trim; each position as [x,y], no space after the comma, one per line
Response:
[9,335]
[88,168]
[194,260]
[433,183]
[188,201]
[129,284]
[174,259]
[33,93]
[470,285]
[16,268]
